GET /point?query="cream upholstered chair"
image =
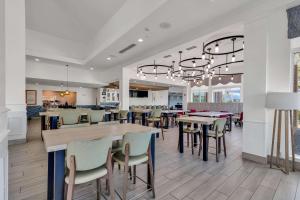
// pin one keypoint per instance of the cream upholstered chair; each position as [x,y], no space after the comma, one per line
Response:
[156,118]
[96,116]
[123,115]
[190,134]
[68,118]
[218,132]
[135,151]
[88,161]
[116,145]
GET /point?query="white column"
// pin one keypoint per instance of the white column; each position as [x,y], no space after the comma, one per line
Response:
[242,89]
[267,68]
[15,68]
[186,97]
[124,89]
[3,111]
[209,92]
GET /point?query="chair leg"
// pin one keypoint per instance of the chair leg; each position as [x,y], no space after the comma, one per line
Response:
[134,174]
[130,173]
[200,144]
[192,142]
[224,145]
[98,189]
[188,139]
[217,150]
[65,191]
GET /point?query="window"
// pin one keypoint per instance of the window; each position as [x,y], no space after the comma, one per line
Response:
[199,96]
[227,95]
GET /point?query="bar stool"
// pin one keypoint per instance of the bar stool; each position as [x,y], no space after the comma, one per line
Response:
[135,151]
[88,161]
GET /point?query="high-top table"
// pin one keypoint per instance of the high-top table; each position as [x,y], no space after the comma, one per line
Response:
[56,142]
[205,122]
[215,115]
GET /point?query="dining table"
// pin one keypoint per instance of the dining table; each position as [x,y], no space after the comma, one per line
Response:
[144,112]
[57,140]
[205,122]
[215,114]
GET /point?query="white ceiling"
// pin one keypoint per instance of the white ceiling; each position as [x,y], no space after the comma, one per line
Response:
[77,20]
[106,27]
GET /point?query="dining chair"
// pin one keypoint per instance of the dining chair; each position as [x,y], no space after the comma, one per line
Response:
[190,133]
[157,120]
[123,116]
[88,161]
[68,118]
[138,117]
[218,133]
[135,151]
[96,116]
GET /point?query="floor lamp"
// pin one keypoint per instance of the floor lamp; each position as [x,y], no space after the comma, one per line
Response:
[284,103]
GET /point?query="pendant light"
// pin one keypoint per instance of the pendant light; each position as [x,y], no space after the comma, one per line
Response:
[217,48]
[67,92]
[233,55]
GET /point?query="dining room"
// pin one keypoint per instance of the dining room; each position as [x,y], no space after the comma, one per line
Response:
[132,99]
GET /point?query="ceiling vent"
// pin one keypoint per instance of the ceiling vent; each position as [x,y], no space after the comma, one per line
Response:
[190,48]
[167,56]
[127,48]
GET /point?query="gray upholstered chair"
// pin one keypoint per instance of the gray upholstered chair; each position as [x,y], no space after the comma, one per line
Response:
[88,161]
[218,132]
[135,151]
[96,116]
[68,118]
[123,116]
[156,119]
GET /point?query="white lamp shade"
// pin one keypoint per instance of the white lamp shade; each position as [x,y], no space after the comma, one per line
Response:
[283,100]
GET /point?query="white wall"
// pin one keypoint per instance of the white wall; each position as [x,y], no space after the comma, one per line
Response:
[3,111]
[15,68]
[154,98]
[85,96]
[267,68]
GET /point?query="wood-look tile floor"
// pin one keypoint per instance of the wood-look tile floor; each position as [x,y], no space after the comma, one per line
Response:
[178,176]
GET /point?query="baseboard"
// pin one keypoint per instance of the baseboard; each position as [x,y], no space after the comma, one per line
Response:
[17,141]
[254,158]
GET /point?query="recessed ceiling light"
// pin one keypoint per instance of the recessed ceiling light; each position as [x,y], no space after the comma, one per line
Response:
[108,58]
[92,68]
[140,40]
[37,60]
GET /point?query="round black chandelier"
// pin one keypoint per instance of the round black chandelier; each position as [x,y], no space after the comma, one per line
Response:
[197,69]
[156,70]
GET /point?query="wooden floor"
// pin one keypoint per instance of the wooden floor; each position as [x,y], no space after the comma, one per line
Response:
[178,176]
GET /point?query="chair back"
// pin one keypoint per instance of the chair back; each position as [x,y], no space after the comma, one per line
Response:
[89,154]
[69,116]
[138,143]
[156,113]
[242,116]
[219,125]
[123,113]
[97,116]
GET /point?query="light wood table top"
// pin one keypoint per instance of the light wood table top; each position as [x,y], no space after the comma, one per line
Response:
[57,139]
[49,114]
[200,120]
[210,114]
